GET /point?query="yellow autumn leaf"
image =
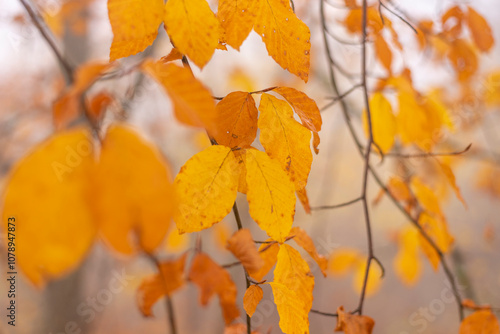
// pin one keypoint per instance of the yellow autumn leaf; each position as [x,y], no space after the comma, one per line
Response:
[176,242]
[286,36]
[48,195]
[293,272]
[237,18]
[374,277]
[242,246]
[342,261]
[304,240]
[236,120]
[480,30]
[290,306]
[426,197]
[270,195]
[285,139]
[193,103]
[134,24]
[383,122]
[437,229]
[206,187]
[412,122]
[306,109]
[135,195]
[450,177]
[480,322]
[193,28]
[253,295]
[407,263]
[269,253]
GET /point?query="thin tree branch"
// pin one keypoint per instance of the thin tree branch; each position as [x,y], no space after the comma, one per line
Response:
[398,16]
[40,24]
[336,206]
[326,314]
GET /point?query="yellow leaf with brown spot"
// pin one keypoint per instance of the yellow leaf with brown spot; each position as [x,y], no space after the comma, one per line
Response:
[353,323]
[152,288]
[134,24]
[407,263]
[193,103]
[242,246]
[383,122]
[480,322]
[237,18]
[46,205]
[293,319]
[252,298]
[270,195]
[193,28]
[480,30]
[304,240]
[269,253]
[213,279]
[293,272]
[236,120]
[286,36]
[135,196]
[306,109]
[206,188]
[285,139]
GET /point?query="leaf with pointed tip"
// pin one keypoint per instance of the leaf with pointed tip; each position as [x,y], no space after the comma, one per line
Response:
[304,240]
[480,30]
[237,18]
[293,319]
[252,298]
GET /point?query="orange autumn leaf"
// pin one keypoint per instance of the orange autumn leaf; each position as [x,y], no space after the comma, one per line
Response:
[286,37]
[237,329]
[407,263]
[399,189]
[463,58]
[135,196]
[206,187]
[480,30]
[353,20]
[353,323]
[174,54]
[192,102]
[455,15]
[306,109]
[426,197]
[450,177]
[268,253]
[383,52]
[193,28]
[293,272]
[383,122]
[242,246]
[285,140]
[253,296]
[51,183]
[236,120]
[152,288]
[213,279]
[134,24]
[480,322]
[270,195]
[67,107]
[304,240]
[237,18]
[99,103]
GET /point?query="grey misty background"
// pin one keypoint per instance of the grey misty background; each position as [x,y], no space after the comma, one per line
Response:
[335,177]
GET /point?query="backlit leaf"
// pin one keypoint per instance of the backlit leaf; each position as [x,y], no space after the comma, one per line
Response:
[193,28]
[251,299]
[306,109]
[237,18]
[291,307]
[236,120]
[463,58]
[134,24]
[270,195]
[383,122]
[154,287]
[206,187]
[285,139]
[135,195]
[269,253]
[192,102]
[437,230]
[407,262]
[242,246]
[286,37]
[213,279]
[48,193]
